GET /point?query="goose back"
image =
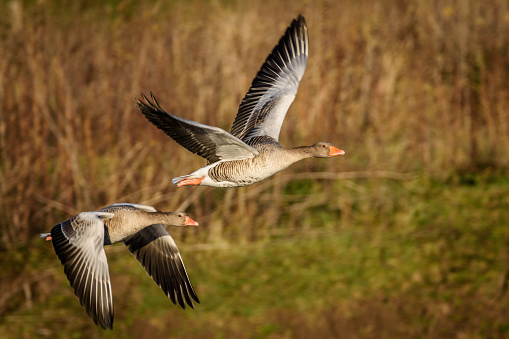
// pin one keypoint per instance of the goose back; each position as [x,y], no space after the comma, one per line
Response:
[272,159]
[128,220]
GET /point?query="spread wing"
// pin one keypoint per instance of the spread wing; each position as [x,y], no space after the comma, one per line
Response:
[263,109]
[157,252]
[78,243]
[209,142]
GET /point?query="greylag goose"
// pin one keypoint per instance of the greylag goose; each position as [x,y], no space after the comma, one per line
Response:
[79,244]
[251,151]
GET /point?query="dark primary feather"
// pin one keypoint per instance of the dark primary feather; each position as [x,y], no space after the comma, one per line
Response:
[274,87]
[185,132]
[87,271]
[209,142]
[156,251]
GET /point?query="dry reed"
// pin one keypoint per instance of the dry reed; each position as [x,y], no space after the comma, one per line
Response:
[402,86]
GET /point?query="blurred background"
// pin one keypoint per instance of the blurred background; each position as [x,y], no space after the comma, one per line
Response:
[406,236]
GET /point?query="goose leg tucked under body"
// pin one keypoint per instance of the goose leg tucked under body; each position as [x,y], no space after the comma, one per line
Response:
[79,244]
[251,151]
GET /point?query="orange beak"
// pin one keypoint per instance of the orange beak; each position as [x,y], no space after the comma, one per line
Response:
[190,222]
[335,151]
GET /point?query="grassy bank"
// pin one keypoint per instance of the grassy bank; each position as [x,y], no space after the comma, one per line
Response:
[431,262]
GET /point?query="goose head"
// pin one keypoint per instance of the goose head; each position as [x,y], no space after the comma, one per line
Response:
[325,150]
[180,219]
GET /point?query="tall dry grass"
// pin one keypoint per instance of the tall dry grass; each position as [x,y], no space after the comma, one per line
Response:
[402,86]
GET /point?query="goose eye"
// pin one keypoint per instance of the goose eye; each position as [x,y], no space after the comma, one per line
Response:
[323,146]
[180,215]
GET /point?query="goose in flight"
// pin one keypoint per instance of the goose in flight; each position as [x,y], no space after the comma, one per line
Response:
[251,151]
[79,244]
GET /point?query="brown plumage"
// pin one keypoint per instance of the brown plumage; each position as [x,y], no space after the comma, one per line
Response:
[251,151]
[79,242]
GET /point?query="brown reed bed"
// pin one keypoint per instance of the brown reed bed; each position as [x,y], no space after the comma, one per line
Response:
[403,87]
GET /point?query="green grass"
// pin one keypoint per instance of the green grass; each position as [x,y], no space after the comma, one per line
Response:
[428,259]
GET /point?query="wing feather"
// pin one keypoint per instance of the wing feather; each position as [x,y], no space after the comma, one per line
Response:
[211,143]
[157,252]
[263,109]
[78,243]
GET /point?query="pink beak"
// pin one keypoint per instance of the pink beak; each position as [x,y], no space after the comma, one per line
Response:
[190,222]
[335,151]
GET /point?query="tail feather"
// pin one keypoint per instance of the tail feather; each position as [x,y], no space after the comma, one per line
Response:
[177,180]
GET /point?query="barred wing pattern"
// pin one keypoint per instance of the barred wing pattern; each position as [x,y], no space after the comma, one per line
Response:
[78,243]
[263,109]
[211,143]
[157,252]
